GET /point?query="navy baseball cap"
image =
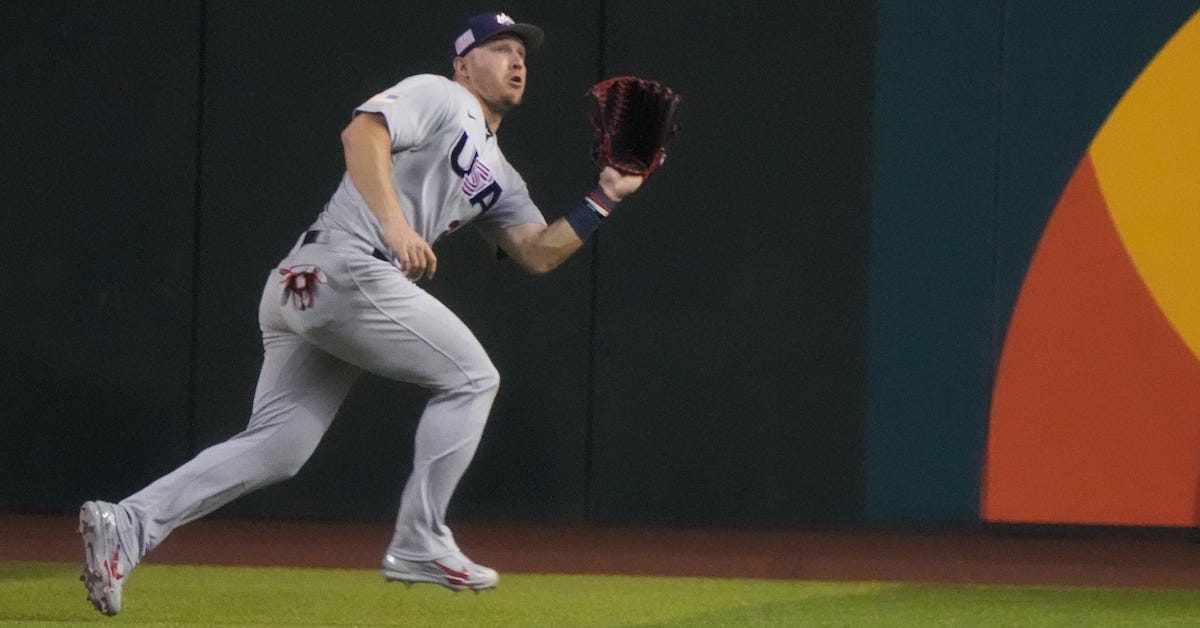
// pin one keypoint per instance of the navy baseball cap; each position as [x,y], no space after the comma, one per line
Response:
[485,26]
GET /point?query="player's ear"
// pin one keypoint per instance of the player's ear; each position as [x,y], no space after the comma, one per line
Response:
[460,66]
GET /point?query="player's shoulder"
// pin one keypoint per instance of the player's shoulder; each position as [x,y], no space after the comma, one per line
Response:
[431,82]
[435,81]
[434,87]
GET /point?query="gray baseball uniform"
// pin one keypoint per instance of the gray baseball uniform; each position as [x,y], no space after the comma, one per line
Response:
[338,305]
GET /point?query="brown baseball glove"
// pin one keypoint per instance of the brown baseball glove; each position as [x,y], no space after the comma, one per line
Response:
[633,121]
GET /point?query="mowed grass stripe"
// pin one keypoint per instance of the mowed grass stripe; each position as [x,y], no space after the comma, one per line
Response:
[48,594]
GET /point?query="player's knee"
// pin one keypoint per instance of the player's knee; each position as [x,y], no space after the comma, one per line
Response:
[475,375]
[283,467]
[486,379]
[284,451]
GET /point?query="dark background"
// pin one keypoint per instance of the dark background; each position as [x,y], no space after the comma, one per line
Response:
[700,361]
[796,321]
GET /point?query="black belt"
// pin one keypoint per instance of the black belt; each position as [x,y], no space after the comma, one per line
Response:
[311,236]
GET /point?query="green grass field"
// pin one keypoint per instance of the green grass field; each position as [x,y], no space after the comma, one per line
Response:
[48,594]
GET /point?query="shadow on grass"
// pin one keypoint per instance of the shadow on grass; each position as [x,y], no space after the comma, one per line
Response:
[958,605]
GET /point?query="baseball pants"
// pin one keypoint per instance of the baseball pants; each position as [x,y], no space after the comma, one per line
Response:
[363,314]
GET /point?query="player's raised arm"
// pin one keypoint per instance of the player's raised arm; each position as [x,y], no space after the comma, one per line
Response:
[633,122]
[368,149]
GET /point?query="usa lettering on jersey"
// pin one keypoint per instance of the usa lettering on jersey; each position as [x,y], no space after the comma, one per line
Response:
[478,182]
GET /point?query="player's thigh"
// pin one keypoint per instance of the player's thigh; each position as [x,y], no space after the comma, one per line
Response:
[299,385]
[388,325]
[297,377]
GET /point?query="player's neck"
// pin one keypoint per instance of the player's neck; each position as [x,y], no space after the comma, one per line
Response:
[491,116]
[492,120]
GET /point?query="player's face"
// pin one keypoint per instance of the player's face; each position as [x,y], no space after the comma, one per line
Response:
[495,70]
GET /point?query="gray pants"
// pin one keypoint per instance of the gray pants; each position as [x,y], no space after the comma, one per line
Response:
[364,315]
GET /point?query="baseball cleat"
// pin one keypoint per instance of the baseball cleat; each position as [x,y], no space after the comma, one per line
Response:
[456,573]
[106,549]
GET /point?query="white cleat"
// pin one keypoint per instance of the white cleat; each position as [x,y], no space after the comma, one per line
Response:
[456,573]
[106,549]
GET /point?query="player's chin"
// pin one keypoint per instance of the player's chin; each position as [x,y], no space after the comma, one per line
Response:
[507,103]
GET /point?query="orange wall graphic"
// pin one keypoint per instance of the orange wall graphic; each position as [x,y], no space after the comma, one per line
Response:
[1095,414]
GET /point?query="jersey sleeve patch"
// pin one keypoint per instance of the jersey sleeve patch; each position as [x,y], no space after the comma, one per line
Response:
[415,109]
[382,98]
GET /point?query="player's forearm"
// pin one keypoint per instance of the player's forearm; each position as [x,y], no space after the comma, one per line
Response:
[548,248]
[541,249]
[368,150]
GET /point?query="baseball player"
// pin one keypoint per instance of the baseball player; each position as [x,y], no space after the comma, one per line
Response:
[422,160]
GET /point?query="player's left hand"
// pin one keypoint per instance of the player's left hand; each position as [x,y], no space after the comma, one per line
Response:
[616,185]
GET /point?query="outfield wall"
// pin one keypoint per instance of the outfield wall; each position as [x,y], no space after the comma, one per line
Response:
[799,321]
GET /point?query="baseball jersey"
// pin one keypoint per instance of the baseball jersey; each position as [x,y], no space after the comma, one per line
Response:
[446,166]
